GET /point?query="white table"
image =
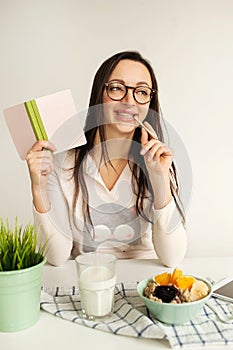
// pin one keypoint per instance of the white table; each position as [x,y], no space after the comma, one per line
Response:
[51,332]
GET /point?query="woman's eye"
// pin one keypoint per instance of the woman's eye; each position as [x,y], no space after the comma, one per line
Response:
[115,88]
[144,92]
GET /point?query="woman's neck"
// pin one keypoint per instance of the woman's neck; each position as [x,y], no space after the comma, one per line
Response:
[117,147]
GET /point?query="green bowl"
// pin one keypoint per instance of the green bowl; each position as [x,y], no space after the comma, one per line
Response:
[173,313]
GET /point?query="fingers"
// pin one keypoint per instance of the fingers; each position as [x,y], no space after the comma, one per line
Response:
[161,151]
[147,132]
[40,157]
[152,131]
[41,154]
[144,136]
[156,151]
[42,144]
[40,161]
[153,149]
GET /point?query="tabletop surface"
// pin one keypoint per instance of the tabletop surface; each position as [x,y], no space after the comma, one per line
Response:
[51,332]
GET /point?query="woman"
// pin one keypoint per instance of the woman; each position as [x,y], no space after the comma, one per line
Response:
[113,194]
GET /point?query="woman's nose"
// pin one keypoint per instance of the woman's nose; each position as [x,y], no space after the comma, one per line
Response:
[129,98]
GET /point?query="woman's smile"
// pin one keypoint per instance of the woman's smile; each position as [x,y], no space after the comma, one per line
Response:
[125,115]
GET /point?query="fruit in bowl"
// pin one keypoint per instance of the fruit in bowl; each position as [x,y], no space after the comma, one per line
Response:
[174,298]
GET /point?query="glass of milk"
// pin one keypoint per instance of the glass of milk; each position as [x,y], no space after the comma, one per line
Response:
[96,281]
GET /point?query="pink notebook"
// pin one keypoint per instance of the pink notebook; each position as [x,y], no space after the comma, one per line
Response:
[55,114]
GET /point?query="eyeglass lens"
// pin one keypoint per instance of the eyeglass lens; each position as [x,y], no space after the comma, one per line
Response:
[117,91]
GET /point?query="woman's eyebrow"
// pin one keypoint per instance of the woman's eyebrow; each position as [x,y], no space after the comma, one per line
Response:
[117,81]
[140,83]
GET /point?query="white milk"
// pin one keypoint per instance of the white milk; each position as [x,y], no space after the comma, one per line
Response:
[96,285]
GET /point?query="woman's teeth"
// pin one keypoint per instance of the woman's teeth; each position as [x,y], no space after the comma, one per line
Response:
[125,115]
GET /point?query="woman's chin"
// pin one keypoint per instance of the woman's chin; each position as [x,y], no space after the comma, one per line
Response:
[120,128]
[125,128]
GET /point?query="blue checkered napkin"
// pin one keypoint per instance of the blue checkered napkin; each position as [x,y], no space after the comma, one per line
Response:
[205,329]
[126,319]
[131,318]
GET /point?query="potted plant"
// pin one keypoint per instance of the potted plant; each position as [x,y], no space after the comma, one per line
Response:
[21,262]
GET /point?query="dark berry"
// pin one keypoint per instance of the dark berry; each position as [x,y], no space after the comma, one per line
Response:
[166,293]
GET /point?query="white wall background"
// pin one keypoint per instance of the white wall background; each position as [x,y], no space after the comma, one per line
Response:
[50,45]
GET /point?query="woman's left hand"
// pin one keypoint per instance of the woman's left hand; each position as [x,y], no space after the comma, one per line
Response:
[158,157]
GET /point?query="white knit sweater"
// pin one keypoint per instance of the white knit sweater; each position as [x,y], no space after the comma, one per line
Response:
[116,227]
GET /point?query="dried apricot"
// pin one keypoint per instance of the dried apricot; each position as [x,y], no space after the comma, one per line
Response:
[177,273]
[185,282]
[163,279]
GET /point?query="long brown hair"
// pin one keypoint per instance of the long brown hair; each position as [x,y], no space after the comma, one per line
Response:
[94,122]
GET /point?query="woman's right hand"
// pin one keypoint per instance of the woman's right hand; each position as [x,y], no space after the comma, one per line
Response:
[40,163]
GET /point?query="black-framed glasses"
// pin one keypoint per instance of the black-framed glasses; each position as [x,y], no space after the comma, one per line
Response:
[117,91]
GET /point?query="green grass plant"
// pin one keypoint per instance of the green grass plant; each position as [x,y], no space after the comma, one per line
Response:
[19,247]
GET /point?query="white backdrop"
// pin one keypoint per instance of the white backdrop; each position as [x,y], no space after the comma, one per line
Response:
[48,45]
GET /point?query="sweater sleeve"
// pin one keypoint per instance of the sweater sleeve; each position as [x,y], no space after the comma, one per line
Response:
[59,246]
[54,225]
[169,235]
